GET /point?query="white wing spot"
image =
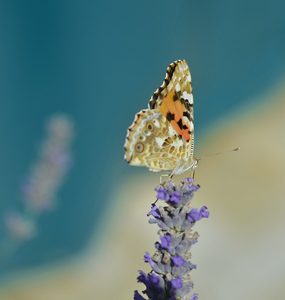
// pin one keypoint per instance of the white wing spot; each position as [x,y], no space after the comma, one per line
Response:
[159,141]
[191,101]
[171,131]
[177,143]
[186,96]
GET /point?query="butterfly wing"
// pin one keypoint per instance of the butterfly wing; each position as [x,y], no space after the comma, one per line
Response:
[162,137]
[153,143]
[174,100]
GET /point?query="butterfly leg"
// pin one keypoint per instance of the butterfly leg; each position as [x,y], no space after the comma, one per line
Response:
[194,167]
[167,176]
[193,173]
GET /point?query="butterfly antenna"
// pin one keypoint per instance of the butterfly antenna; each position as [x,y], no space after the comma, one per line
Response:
[218,153]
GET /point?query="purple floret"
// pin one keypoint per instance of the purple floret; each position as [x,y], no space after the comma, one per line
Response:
[204,213]
[138,296]
[165,241]
[188,180]
[178,261]
[176,283]
[175,198]
[194,297]
[193,215]
[148,259]
[142,277]
[155,212]
[162,193]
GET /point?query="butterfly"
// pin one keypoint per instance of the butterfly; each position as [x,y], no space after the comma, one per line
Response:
[161,137]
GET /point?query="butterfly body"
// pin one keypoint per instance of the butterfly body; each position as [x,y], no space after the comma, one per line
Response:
[162,136]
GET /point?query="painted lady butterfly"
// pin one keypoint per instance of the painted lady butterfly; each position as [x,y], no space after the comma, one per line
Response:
[162,136]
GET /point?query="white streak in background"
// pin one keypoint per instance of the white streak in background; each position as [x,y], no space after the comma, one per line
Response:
[44,179]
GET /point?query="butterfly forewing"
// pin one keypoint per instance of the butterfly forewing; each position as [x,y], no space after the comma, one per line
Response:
[175,100]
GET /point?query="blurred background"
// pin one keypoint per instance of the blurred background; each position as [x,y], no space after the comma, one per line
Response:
[73,74]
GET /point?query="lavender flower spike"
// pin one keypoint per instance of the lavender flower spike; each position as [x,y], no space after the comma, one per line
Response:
[169,278]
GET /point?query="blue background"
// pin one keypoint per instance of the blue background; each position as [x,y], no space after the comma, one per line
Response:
[100,61]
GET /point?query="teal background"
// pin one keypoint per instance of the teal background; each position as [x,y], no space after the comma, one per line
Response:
[100,61]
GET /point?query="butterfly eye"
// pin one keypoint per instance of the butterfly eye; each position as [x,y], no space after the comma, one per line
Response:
[149,126]
[139,147]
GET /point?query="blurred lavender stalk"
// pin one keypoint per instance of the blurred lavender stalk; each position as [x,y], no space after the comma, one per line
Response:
[40,187]
[169,278]
[47,174]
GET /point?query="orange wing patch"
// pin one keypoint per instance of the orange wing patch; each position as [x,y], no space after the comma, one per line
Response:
[174,110]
